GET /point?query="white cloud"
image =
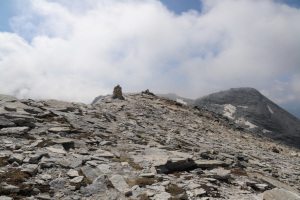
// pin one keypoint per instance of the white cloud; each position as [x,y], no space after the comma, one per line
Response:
[79,50]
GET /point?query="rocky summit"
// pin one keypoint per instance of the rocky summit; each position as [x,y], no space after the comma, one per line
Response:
[252,111]
[144,147]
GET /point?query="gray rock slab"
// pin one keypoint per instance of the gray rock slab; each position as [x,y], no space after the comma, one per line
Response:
[5,122]
[59,129]
[64,141]
[30,169]
[11,188]
[199,192]
[163,196]
[147,175]
[56,150]
[104,168]
[119,183]
[59,105]
[105,154]
[209,163]
[77,179]
[280,194]
[89,172]
[14,130]
[73,173]
[10,108]
[20,119]
[220,174]
[17,158]
[7,98]
[5,198]
[58,184]
[98,185]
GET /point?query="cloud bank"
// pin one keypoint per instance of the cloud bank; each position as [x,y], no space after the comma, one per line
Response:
[76,50]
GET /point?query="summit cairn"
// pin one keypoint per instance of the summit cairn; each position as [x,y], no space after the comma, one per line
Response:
[117,94]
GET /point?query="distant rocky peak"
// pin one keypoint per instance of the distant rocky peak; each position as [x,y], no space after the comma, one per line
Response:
[251,110]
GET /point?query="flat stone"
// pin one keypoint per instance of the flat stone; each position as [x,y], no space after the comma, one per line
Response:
[92,163]
[89,172]
[209,163]
[5,122]
[34,144]
[56,150]
[77,179]
[280,194]
[104,168]
[21,119]
[199,192]
[59,129]
[193,186]
[220,174]
[119,183]
[5,198]
[58,184]
[14,130]
[59,105]
[147,175]
[261,186]
[73,173]
[10,108]
[46,177]
[63,141]
[105,154]
[162,196]
[102,143]
[17,158]
[30,169]
[7,98]
[11,188]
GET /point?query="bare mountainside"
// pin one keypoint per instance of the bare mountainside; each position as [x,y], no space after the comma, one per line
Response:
[143,147]
[251,110]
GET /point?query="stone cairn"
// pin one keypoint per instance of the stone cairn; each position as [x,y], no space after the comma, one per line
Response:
[117,94]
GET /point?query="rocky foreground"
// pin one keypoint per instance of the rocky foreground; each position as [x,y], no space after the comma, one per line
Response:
[144,147]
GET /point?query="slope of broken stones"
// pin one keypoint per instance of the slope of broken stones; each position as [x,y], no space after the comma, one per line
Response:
[145,147]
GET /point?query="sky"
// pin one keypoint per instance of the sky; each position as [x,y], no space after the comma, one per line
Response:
[76,50]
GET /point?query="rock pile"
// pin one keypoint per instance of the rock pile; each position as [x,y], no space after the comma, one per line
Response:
[146,147]
[117,94]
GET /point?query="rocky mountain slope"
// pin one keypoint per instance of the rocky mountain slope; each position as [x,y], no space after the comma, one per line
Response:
[175,97]
[144,147]
[249,109]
